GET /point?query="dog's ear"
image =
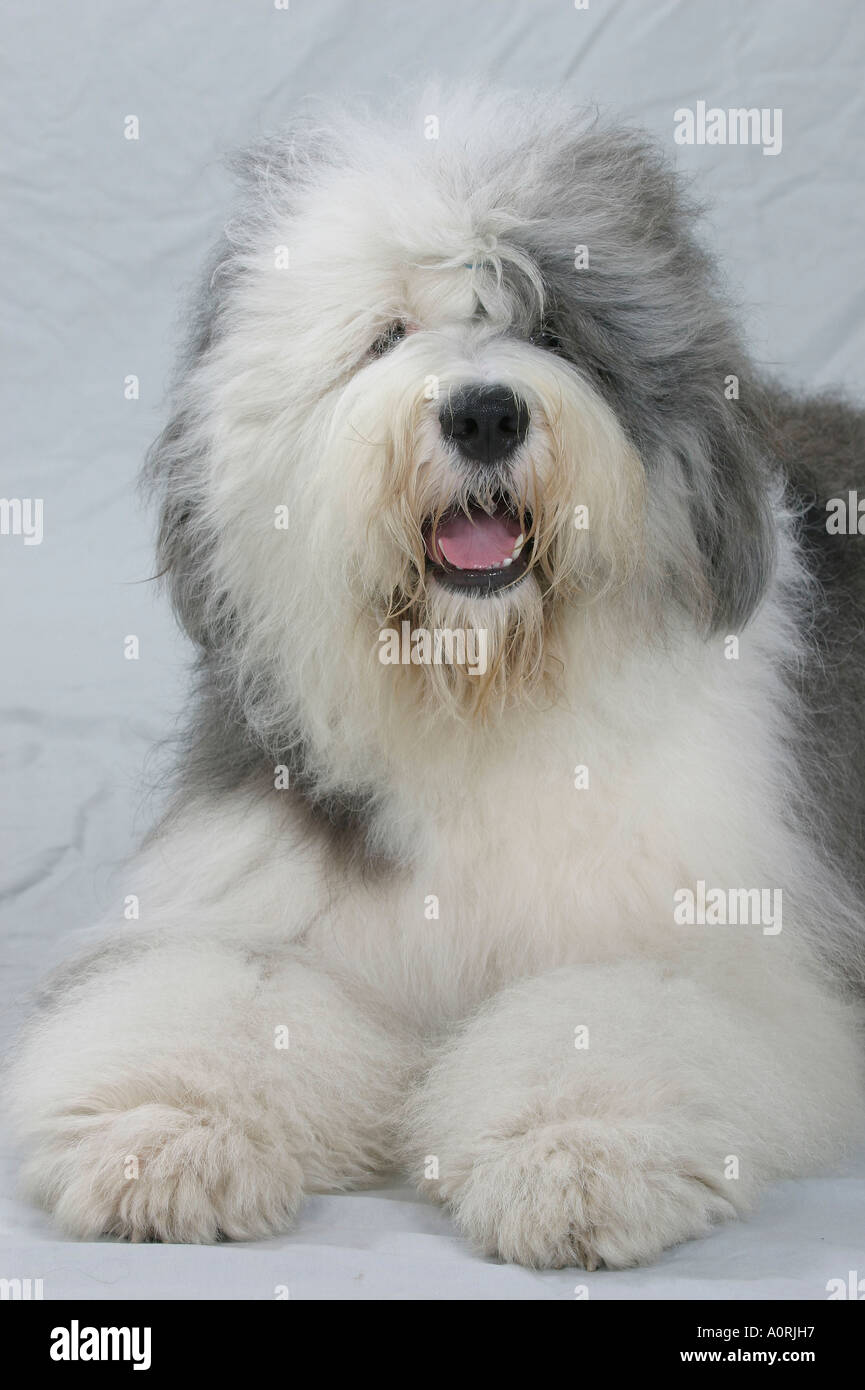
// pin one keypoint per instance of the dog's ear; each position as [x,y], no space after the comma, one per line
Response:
[271,174]
[173,471]
[729,485]
[647,321]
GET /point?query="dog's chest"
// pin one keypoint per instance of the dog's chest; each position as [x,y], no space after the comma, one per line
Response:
[556,861]
[570,842]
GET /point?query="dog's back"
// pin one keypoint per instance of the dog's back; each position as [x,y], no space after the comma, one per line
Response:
[820,442]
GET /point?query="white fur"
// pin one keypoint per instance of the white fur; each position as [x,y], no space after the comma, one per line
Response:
[448,1045]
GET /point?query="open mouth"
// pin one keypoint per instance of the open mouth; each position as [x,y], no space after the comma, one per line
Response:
[483,551]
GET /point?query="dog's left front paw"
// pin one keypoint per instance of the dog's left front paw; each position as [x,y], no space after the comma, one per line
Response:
[585,1192]
[161,1172]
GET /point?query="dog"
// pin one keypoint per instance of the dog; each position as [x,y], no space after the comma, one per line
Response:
[569,932]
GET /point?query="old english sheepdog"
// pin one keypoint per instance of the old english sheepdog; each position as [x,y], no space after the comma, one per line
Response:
[518,834]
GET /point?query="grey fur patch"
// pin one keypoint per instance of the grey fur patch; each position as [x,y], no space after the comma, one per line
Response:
[821,445]
[221,754]
[647,322]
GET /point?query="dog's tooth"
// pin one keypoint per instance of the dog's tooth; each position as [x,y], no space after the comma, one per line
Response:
[505,563]
[518,545]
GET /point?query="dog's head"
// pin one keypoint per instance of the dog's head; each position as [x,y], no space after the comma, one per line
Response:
[471,373]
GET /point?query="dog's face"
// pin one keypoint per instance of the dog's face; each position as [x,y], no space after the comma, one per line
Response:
[474,382]
[471,476]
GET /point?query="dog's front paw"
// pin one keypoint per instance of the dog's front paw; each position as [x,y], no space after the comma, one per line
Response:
[585,1192]
[163,1173]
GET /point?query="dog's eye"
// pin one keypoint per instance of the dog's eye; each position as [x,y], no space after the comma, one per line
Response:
[393,334]
[546,339]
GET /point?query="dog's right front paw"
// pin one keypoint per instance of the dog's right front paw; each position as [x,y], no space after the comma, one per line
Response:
[163,1173]
[585,1193]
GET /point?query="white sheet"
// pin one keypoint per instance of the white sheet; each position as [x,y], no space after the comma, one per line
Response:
[101,237]
[386,1245]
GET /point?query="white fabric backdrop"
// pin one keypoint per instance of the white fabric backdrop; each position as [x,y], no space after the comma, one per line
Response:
[101,236]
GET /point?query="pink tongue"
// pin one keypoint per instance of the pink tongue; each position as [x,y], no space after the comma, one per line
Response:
[477,543]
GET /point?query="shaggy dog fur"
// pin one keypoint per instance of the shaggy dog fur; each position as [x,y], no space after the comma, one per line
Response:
[385,922]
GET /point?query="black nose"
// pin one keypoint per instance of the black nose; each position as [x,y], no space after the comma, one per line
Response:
[486,423]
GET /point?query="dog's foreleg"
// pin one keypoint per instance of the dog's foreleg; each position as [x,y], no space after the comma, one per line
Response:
[184,1088]
[597,1115]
